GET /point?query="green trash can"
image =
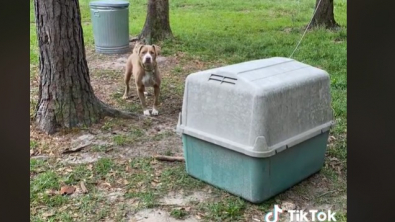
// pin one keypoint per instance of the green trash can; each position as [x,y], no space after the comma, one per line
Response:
[110,21]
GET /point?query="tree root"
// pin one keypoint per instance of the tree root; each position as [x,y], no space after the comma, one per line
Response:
[134,39]
[49,125]
[329,26]
[111,112]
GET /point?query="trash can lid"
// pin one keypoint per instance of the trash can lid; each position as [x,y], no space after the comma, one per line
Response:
[114,4]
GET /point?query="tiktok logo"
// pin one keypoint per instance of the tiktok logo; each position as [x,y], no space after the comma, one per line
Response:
[273,215]
[301,215]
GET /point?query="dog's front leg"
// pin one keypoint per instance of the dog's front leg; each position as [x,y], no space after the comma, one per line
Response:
[140,91]
[156,100]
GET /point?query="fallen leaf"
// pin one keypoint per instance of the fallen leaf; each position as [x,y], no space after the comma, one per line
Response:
[106,184]
[63,208]
[60,169]
[108,150]
[83,187]
[51,192]
[288,206]
[158,173]
[331,138]
[67,190]
[48,214]
[339,170]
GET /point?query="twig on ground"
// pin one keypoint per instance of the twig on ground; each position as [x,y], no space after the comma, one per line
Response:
[326,193]
[76,149]
[169,158]
[83,187]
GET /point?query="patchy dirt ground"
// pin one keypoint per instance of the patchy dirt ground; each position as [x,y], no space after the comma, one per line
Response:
[119,142]
[158,133]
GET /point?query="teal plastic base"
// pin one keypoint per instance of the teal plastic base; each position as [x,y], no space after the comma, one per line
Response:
[254,179]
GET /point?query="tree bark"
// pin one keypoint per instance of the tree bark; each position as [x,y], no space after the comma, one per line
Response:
[324,16]
[157,23]
[66,97]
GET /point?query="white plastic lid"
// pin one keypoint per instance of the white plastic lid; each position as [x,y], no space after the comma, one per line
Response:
[113,4]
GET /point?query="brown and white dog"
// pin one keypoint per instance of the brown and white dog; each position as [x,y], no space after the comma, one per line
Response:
[142,64]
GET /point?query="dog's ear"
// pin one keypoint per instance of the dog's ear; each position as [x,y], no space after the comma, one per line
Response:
[140,47]
[157,49]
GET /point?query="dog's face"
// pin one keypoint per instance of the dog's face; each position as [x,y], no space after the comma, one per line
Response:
[148,53]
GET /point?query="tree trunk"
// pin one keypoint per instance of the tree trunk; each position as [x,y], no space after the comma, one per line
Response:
[157,23]
[324,15]
[66,97]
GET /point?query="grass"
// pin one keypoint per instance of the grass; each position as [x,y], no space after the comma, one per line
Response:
[120,140]
[103,166]
[176,177]
[178,213]
[162,135]
[214,32]
[99,148]
[227,209]
[33,144]
[133,136]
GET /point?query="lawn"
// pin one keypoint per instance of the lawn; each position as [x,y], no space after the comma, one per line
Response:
[124,182]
